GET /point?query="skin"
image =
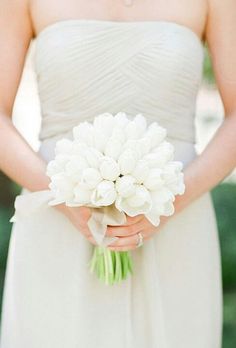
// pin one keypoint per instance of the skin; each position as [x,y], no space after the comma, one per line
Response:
[214,21]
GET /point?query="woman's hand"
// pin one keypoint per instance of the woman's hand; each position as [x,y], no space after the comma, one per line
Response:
[79,217]
[128,238]
[127,233]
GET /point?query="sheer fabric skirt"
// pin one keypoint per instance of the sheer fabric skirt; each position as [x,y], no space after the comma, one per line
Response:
[173,300]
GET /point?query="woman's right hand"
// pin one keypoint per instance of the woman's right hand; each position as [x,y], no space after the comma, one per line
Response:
[79,217]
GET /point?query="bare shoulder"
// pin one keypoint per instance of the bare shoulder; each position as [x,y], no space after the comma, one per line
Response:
[221,16]
[221,40]
[221,27]
[16,14]
[15,38]
[14,7]
[226,5]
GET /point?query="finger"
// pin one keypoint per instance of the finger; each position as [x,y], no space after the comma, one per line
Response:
[89,237]
[85,213]
[87,234]
[92,240]
[130,220]
[124,241]
[124,231]
[85,230]
[123,248]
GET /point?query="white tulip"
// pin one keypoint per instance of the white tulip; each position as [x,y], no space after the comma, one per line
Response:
[91,177]
[93,157]
[162,199]
[118,135]
[162,195]
[144,145]
[104,194]
[75,167]
[109,168]
[100,140]
[153,217]
[82,195]
[105,123]
[78,148]
[141,123]
[173,177]
[166,149]
[175,166]
[139,203]
[84,133]
[135,128]
[62,187]
[63,146]
[141,171]
[156,134]
[176,184]
[125,185]
[160,155]
[127,161]
[154,179]
[57,165]
[121,120]
[113,148]
[140,146]
[162,205]
[169,209]
[165,209]
[141,197]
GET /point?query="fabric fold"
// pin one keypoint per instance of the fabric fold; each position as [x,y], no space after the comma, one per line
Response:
[28,203]
[102,72]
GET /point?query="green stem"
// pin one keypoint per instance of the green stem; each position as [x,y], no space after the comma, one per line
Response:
[110,266]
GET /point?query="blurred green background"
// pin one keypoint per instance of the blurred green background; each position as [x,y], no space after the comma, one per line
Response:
[224,198]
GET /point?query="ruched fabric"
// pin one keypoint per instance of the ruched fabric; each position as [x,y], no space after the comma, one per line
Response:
[89,67]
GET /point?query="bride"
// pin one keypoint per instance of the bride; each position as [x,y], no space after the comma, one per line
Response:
[140,56]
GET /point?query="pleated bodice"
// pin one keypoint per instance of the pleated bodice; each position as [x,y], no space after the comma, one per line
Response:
[87,67]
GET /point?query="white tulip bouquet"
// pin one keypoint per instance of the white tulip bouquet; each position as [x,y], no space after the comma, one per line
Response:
[116,165]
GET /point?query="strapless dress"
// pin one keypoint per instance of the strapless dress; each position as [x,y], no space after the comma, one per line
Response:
[174,298]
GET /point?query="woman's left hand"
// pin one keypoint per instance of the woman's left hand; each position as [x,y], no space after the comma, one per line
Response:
[128,233]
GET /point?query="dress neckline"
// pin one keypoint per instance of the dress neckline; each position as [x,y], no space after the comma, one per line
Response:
[69,21]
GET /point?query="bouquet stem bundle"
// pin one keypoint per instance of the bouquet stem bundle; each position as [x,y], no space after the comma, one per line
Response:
[110,266]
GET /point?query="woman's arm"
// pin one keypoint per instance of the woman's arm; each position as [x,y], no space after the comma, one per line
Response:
[17,159]
[219,157]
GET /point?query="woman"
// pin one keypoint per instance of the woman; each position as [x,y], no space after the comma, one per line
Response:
[133,56]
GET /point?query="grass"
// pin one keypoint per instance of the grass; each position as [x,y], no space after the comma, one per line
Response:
[229,333]
[224,197]
[5,229]
[207,68]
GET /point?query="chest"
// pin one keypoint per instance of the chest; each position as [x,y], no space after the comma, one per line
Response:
[191,13]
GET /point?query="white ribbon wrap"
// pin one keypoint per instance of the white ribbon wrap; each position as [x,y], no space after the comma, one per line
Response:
[28,203]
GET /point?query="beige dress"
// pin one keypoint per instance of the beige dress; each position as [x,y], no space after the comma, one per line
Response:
[174,299]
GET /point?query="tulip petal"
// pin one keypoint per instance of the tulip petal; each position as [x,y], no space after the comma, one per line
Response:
[104,194]
[82,195]
[156,134]
[63,146]
[91,177]
[84,132]
[141,171]
[125,185]
[127,161]
[109,168]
